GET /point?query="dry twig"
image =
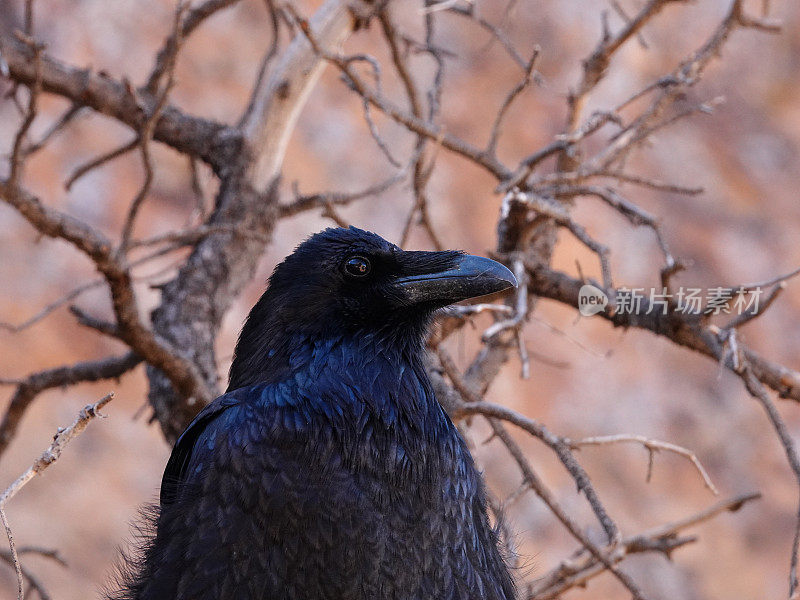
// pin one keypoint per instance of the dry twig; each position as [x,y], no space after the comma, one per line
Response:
[652,446]
[48,457]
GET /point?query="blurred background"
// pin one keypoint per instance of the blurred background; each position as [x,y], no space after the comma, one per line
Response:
[591,380]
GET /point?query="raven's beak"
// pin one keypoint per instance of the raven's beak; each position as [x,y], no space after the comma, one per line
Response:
[470,277]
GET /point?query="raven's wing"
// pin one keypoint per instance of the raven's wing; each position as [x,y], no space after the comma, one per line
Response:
[175,471]
[256,493]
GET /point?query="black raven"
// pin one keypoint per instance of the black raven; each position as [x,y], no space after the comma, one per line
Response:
[328,470]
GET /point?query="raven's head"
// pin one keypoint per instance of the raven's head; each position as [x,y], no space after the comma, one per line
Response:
[350,281]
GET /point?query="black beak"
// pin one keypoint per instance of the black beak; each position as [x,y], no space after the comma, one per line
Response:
[469,277]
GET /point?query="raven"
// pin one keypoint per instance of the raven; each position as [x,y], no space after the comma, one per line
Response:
[328,470]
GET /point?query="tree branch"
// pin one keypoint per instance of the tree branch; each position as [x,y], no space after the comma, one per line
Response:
[48,457]
[59,377]
[684,329]
[212,142]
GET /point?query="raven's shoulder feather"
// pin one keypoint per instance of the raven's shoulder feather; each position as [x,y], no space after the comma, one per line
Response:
[175,471]
[278,410]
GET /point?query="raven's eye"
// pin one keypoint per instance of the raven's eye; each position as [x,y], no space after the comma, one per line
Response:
[357,266]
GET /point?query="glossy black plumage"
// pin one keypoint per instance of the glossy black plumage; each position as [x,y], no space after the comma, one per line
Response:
[328,470]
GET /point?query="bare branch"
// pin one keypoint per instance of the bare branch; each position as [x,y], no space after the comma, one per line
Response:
[156,351]
[459,310]
[100,325]
[209,141]
[13,548]
[195,301]
[652,446]
[69,115]
[520,306]
[48,457]
[474,404]
[321,200]
[547,498]
[594,66]
[272,52]
[53,452]
[193,19]
[16,162]
[579,569]
[554,210]
[59,377]
[756,389]
[491,146]
[47,310]
[411,122]
[86,167]
[757,311]
[33,581]
[683,329]
[190,237]
[494,30]
[146,132]
[278,102]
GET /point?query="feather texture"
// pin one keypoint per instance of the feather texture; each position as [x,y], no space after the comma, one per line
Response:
[336,476]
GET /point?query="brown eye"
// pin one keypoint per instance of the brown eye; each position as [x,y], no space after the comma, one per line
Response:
[357,266]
